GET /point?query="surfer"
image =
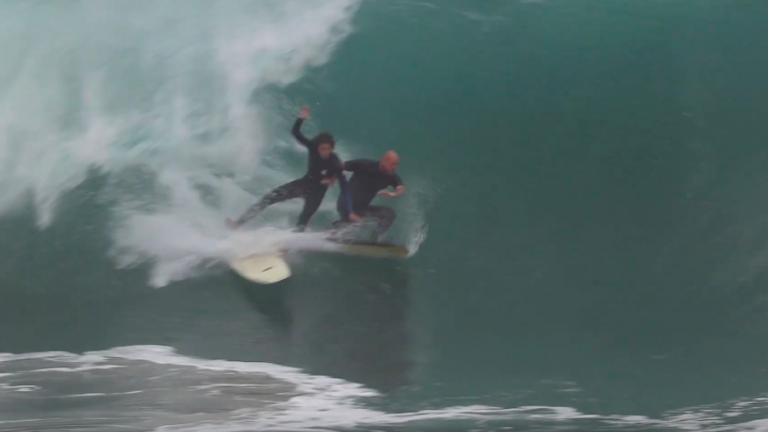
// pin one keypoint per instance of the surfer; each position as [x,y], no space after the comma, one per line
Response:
[324,169]
[371,178]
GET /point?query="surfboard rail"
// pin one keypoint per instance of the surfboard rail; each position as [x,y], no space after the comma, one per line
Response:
[370,248]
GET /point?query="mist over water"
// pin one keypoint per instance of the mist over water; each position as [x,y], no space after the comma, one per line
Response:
[158,97]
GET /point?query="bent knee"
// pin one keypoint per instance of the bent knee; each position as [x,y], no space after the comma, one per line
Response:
[387,216]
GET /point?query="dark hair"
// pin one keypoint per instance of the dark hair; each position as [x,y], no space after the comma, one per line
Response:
[323,138]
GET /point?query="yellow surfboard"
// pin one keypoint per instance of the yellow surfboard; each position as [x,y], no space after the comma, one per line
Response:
[261,268]
[368,248]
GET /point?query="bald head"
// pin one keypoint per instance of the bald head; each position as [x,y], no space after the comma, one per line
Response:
[391,155]
[389,162]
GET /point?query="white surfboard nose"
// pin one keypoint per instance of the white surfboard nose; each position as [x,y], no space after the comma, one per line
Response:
[262,269]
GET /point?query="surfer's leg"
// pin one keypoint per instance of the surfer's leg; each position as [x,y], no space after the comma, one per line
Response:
[312,200]
[288,191]
[384,216]
[343,221]
[341,208]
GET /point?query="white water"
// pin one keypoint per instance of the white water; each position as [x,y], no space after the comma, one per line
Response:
[155,388]
[157,95]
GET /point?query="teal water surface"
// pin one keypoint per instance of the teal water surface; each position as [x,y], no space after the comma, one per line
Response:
[587,176]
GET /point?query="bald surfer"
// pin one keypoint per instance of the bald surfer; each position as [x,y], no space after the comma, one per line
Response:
[324,169]
[371,178]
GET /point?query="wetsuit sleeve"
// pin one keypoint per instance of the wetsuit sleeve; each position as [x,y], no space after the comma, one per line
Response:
[297,132]
[354,165]
[344,185]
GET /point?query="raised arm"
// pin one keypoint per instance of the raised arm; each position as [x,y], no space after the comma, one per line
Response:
[297,127]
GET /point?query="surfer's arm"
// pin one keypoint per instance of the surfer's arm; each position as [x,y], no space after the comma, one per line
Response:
[397,183]
[399,191]
[297,132]
[353,165]
[297,127]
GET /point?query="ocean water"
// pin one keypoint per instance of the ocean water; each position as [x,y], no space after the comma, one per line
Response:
[586,206]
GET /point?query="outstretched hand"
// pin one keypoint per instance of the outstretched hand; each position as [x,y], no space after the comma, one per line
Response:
[396,194]
[304,113]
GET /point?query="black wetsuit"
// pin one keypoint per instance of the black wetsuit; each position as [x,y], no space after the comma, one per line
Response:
[308,187]
[367,180]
